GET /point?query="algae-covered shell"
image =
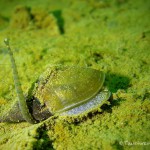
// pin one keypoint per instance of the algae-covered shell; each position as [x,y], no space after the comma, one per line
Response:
[65,88]
[64,91]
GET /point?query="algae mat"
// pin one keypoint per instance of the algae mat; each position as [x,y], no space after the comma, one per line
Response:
[113,37]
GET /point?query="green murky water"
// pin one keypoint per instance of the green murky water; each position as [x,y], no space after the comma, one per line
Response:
[112,37]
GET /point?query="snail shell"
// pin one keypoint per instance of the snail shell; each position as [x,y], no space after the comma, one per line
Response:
[72,90]
[64,91]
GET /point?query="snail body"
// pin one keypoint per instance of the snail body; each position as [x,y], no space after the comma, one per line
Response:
[59,90]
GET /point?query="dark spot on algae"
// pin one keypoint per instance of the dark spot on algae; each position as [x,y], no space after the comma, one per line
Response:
[116,82]
[60,20]
[43,139]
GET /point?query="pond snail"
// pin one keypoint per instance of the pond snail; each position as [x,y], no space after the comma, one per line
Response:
[59,90]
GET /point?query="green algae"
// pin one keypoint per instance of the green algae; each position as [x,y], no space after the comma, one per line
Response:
[110,36]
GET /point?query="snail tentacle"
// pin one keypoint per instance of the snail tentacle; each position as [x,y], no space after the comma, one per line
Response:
[22,102]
